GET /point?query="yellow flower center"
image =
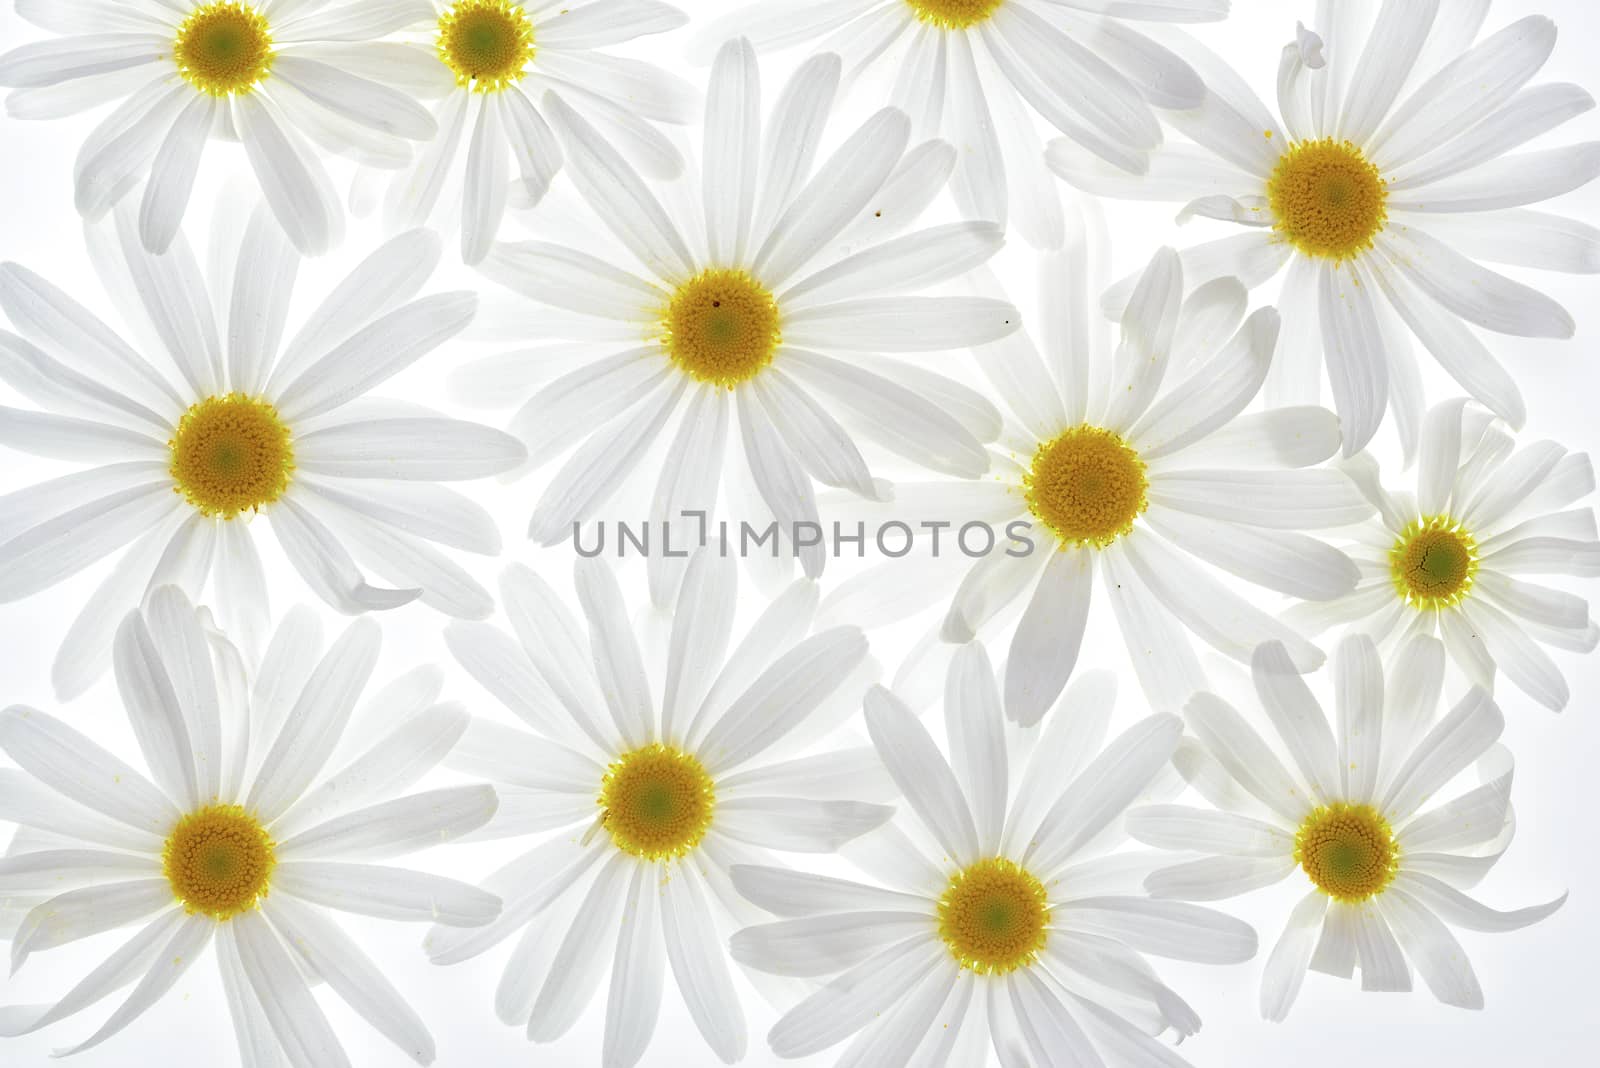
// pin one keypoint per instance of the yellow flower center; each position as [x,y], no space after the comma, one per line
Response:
[993,917]
[954,14]
[488,44]
[1434,562]
[1087,486]
[219,860]
[1329,201]
[224,48]
[721,326]
[231,454]
[1347,851]
[656,802]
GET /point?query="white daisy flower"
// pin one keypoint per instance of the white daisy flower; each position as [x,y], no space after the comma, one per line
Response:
[238,835]
[1389,171]
[1384,868]
[1014,924]
[976,72]
[768,318]
[213,419]
[487,62]
[1454,558]
[273,75]
[651,800]
[1133,472]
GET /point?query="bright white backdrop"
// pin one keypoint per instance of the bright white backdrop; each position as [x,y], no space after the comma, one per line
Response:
[1538,982]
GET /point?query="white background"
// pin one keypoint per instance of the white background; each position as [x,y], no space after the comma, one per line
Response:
[1539,982]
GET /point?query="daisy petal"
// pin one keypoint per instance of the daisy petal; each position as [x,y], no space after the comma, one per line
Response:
[281,992]
[927,782]
[1285,970]
[387,893]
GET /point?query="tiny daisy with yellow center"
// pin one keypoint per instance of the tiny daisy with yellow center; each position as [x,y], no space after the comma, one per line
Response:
[183,72]
[1354,813]
[245,833]
[500,63]
[1375,190]
[231,437]
[986,70]
[649,796]
[769,322]
[999,888]
[1464,554]
[1129,472]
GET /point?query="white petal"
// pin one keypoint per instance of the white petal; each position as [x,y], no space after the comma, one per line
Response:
[1353,347]
[581,959]
[325,564]
[1177,827]
[1246,757]
[1279,500]
[637,974]
[1174,929]
[61,758]
[924,778]
[1475,293]
[397,827]
[1044,647]
[387,893]
[283,996]
[293,183]
[855,998]
[700,968]
[1286,967]
[1457,740]
[1298,718]
[1103,790]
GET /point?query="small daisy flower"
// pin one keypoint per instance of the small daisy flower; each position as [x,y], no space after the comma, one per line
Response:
[1384,867]
[1131,473]
[276,76]
[1010,922]
[489,61]
[651,794]
[239,835]
[977,72]
[214,422]
[1455,558]
[1389,171]
[766,321]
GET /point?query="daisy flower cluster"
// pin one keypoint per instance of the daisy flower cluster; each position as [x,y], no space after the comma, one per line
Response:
[1241,613]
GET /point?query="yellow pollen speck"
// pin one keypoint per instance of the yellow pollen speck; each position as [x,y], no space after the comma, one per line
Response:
[231,454]
[954,14]
[219,860]
[1329,201]
[1434,562]
[1347,851]
[224,48]
[487,44]
[1087,486]
[993,916]
[721,326]
[656,802]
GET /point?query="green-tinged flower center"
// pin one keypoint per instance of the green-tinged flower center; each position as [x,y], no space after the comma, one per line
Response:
[721,326]
[219,860]
[224,48]
[487,44]
[1434,563]
[1347,851]
[231,454]
[656,802]
[993,917]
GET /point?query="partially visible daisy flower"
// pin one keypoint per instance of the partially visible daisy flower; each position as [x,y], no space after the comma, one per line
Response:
[213,419]
[977,72]
[644,798]
[489,62]
[1455,558]
[239,834]
[1132,473]
[1384,867]
[1390,169]
[275,76]
[1014,924]
[764,317]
